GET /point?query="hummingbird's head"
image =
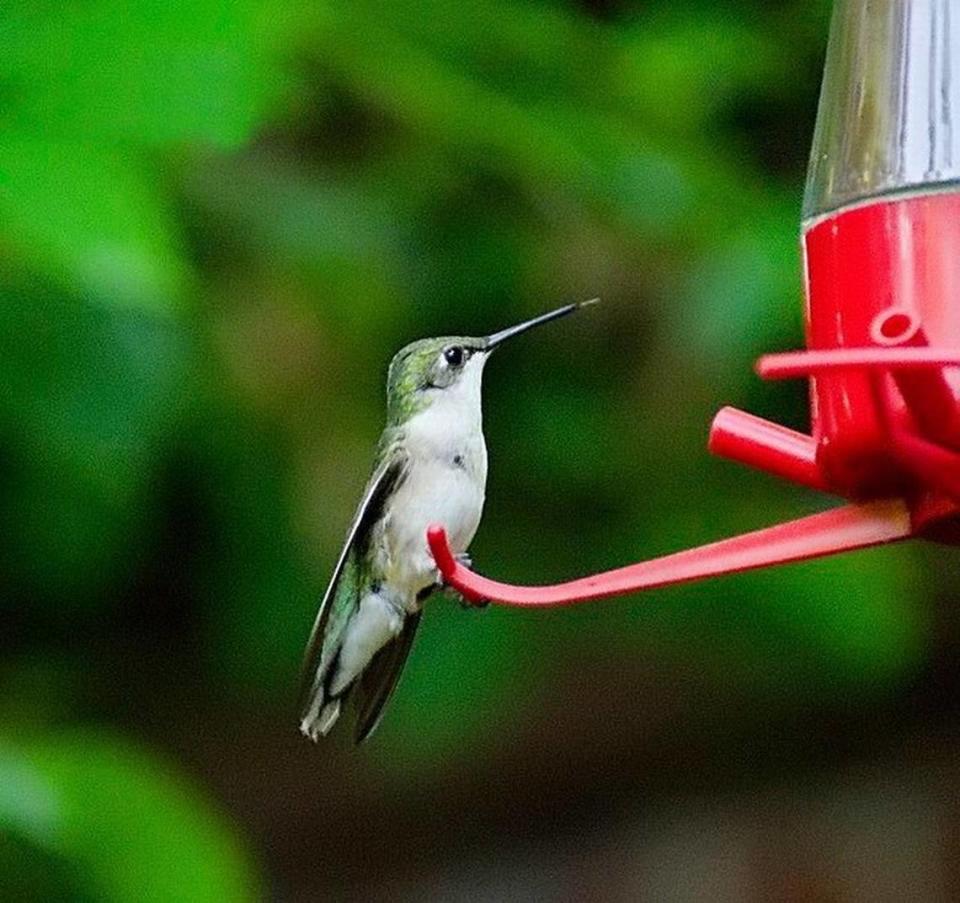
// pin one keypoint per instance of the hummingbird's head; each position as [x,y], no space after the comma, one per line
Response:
[448,367]
[424,371]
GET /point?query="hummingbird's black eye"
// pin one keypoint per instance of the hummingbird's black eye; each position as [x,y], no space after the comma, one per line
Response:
[454,356]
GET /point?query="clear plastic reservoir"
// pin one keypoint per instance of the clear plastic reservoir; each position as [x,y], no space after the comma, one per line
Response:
[887,120]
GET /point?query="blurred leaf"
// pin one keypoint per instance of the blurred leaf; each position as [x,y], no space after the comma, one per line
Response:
[148,73]
[89,87]
[546,140]
[264,599]
[27,804]
[744,292]
[133,830]
[89,218]
[678,70]
[32,875]
[91,395]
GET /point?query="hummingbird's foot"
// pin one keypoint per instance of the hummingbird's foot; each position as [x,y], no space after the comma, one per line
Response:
[470,603]
[465,559]
[428,591]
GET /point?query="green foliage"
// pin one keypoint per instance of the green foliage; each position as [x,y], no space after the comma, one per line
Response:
[115,823]
[91,398]
[93,92]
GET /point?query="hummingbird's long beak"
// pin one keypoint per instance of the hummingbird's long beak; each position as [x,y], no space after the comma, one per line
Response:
[492,341]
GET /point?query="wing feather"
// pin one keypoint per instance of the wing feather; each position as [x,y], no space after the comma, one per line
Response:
[386,478]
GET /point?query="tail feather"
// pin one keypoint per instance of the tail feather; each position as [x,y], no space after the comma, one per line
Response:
[378,681]
[318,720]
[367,663]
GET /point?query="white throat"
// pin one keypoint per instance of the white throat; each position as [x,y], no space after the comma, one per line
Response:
[452,415]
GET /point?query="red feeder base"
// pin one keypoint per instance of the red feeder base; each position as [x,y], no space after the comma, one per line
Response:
[883,326]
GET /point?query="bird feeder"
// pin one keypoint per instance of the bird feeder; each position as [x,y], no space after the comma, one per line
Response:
[881,249]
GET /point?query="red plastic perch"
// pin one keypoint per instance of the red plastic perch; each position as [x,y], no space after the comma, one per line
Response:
[839,530]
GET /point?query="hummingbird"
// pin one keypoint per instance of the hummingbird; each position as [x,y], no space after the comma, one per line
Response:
[430,467]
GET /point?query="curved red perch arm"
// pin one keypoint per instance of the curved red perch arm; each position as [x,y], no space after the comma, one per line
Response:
[839,530]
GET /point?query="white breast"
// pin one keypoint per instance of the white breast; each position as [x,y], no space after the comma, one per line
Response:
[445,483]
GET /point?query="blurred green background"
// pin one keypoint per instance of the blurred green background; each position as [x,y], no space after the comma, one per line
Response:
[218,221]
